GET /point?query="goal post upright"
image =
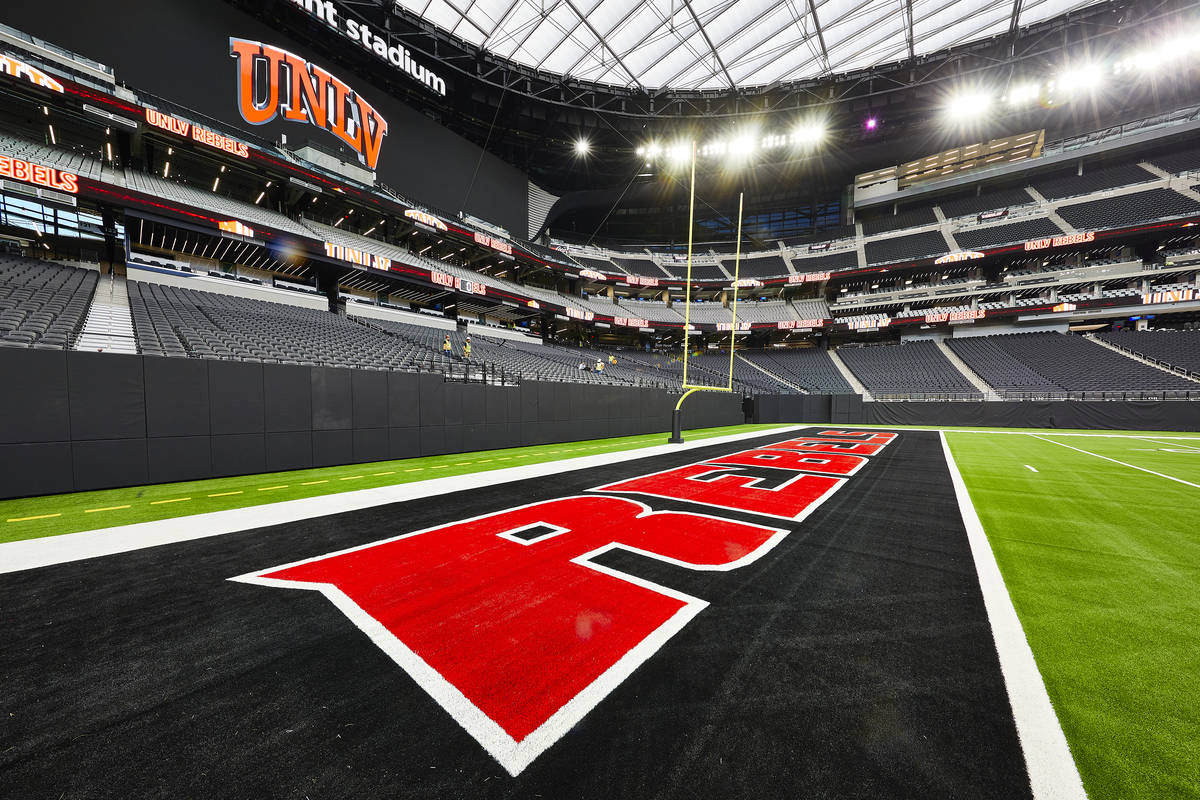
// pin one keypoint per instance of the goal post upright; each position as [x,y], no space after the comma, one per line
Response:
[689,389]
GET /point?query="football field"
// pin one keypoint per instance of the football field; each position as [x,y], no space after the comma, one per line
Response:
[764,611]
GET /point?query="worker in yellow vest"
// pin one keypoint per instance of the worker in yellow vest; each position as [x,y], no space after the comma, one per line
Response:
[467,348]
[446,346]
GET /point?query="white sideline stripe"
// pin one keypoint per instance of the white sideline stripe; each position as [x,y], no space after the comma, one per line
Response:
[1047,431]
[1031,469]
[1052,771]
[1122,463]
[1173,444]
[50,550]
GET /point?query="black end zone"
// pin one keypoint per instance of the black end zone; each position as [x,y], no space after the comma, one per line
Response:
[853,660]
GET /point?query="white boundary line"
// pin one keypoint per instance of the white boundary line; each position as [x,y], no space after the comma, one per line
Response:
[1047,431]
[50,550]
[1052,771]
[1122,463]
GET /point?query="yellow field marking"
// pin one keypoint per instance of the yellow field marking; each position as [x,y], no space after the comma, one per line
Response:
[443,466]
[414,469]
[351,478]
[272,488]
[225,494]
[314,483]
[106,508]
[506,458]
[172,500]
[38,516]
[377,474]
[483,461]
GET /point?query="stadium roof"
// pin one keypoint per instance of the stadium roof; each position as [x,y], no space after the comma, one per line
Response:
[723,44]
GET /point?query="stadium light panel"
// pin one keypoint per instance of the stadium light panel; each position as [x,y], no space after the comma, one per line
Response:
[582,147]
[1023,94]
[968,106]
[1080,79]
[871,123]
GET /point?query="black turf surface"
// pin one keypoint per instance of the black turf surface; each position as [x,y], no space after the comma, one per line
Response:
[853,660]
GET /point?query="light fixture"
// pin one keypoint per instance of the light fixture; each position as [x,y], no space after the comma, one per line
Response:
[582,147]
[968,106]
[871,123]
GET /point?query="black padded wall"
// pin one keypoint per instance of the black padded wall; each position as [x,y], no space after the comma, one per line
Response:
[79,421]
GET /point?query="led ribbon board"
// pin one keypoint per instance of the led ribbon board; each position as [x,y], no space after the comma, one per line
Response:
[20,170]
[21,71]
[359,257]
[196,133]
[273,82]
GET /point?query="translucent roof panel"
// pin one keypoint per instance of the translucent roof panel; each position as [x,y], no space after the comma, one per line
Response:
[716,44]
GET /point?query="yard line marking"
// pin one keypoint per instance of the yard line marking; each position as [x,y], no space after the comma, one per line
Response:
[1122,463]
[272,488]
[1175,444]
[314,483]
[225,494]
[440,466]
[106,508]
[414,469]
[38,516]
[1052,771]
[351,478]
[377,474]
[1031,469]
[172,500]
[483,461]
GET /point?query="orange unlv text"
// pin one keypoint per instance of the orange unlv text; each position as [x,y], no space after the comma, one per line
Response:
[273,82]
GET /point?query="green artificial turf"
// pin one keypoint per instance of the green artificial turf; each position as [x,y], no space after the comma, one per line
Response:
[50,515]
[1102,562]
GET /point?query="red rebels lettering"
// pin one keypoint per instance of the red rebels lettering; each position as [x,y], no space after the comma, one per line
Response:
[873,437]
[723,487]
[507,622]
[830,446]
[800,462]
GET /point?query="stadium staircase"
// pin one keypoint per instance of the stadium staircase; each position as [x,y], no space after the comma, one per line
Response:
[109,324]
[1134,356]
[850,377]
[979,383]
[771,375]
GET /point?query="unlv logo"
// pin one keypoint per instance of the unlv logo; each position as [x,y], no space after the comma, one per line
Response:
[272,81]
[508,622]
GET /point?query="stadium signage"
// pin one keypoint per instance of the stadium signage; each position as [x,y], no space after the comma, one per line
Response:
[990,215]
[533,304]
[630,322]
[641,280]
[587,316]
[237,228]
[1064,307]
[955,316]
[748,283]
[197,133]
[452,603]
[817,248]
[494,243]
[20,170]
[1061,241]
[809,277]
[377,43]
[273,82]
[425,218]
[952,258]
[360,257]
[728,326]
[452,282]
[793,324]
[868,323]
[1173,296]
[591,274]
[21,71]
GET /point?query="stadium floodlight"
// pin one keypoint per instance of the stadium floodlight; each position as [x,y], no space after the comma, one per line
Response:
[1079,79]
[871,123]
[968,106]
[809,134]
[1023,94]
[742,147]
[582,147]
